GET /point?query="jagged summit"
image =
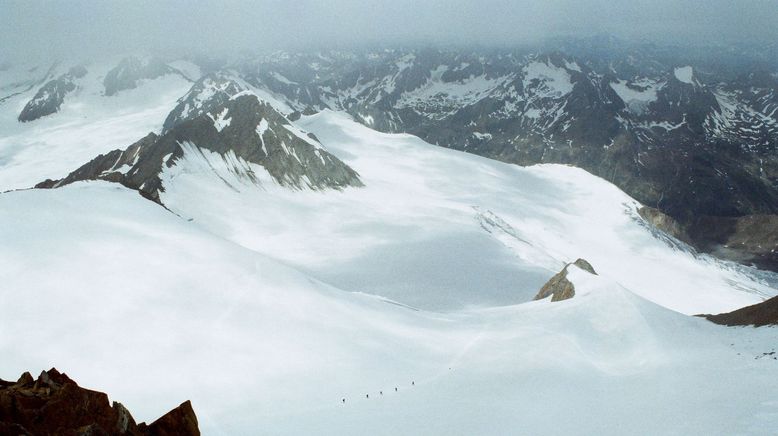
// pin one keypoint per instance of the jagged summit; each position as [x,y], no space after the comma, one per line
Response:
[237,140]
[210,91]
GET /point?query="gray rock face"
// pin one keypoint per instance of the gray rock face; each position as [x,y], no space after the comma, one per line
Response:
[131,71]
[665,223]
[51,95]
[243,128]
[689,147]
[559,287]
[207,93]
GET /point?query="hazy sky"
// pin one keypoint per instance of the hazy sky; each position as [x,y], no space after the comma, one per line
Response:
[44,28]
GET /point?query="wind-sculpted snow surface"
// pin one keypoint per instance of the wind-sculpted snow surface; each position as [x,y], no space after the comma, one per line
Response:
[131,292]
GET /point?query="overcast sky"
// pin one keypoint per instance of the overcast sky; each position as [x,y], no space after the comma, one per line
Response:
[34,29]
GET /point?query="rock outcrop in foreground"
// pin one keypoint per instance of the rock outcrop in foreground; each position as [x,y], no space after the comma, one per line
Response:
[758,315]
[559,287]
[55,405]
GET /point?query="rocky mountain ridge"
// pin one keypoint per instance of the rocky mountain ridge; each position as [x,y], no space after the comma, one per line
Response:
[691,132]
[238,138]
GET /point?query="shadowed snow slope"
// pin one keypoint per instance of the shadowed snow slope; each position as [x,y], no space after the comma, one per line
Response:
[441,230]
[129,296]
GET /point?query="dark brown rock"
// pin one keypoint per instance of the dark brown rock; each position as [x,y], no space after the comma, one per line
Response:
[179,421]
[53,404]
[757,315]
[6,428]
[559,287]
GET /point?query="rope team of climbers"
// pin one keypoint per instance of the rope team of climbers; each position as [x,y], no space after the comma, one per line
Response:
[367,396]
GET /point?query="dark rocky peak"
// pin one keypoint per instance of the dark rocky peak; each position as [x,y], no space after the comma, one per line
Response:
[231,138]
[53,404]
[130,71]
[559,287]
[210,91]
[51,95]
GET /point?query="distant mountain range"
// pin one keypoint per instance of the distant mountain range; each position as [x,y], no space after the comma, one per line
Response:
[690,132]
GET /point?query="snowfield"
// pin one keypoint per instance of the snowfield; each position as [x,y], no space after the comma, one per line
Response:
[162,310]
[409,298]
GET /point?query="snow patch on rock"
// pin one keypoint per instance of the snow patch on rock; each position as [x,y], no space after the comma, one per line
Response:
[221,120]
[637,95]
[553,81]
[684,74]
